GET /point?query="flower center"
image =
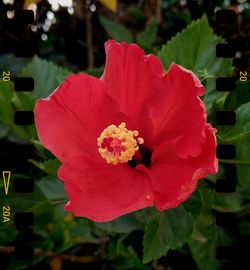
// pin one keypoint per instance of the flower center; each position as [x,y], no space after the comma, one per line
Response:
[118,144]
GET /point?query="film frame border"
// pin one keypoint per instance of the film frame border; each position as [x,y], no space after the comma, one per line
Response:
[227,254]
[26,252]
[23,221]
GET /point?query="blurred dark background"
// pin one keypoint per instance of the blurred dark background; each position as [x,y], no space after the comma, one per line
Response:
[71,33]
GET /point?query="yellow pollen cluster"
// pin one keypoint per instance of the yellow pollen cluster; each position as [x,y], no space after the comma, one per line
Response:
[118,144]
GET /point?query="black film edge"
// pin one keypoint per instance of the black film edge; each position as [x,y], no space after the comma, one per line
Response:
[226,20]
[24,48]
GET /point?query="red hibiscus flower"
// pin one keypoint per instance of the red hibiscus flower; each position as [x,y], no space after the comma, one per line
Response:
[134,138]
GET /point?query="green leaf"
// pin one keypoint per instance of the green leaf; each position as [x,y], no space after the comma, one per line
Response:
[34,202]
[96,72]
[243,171]
[193,204]
[3,130]
[7,234]
[194,49]
[146,38]
[168,230]
[123,257]
[207,235]
[203,249]
[52,188]
[11,101]
[46,74]
[80,232]
[220,174]
[143,215]
[213,109]
[128,261]
[116,30]
[49,166]
[22,202]
[123,224]
[115,247]
[136,13]
[9,62]
[155,241]
[228,202]
[242,127]
[44,214]
[240,96]
[6,110]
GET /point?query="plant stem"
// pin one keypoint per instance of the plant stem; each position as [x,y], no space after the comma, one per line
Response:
[235,161]
[89,38]
[58,201]
[158,12]
[61,256]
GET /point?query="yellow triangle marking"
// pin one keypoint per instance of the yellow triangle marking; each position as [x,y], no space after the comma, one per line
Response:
[6,182]
[110,4]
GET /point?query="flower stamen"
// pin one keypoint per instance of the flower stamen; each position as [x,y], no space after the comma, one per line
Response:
[117,144]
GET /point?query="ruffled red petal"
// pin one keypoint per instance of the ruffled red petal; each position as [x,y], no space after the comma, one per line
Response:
[178,114]
[132,79]
[71,119]
[175,178]
[102,192]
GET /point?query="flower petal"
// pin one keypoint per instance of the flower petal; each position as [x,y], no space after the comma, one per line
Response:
[70,120]
[175,178]
[132,79]
[178,114]
[102,192]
